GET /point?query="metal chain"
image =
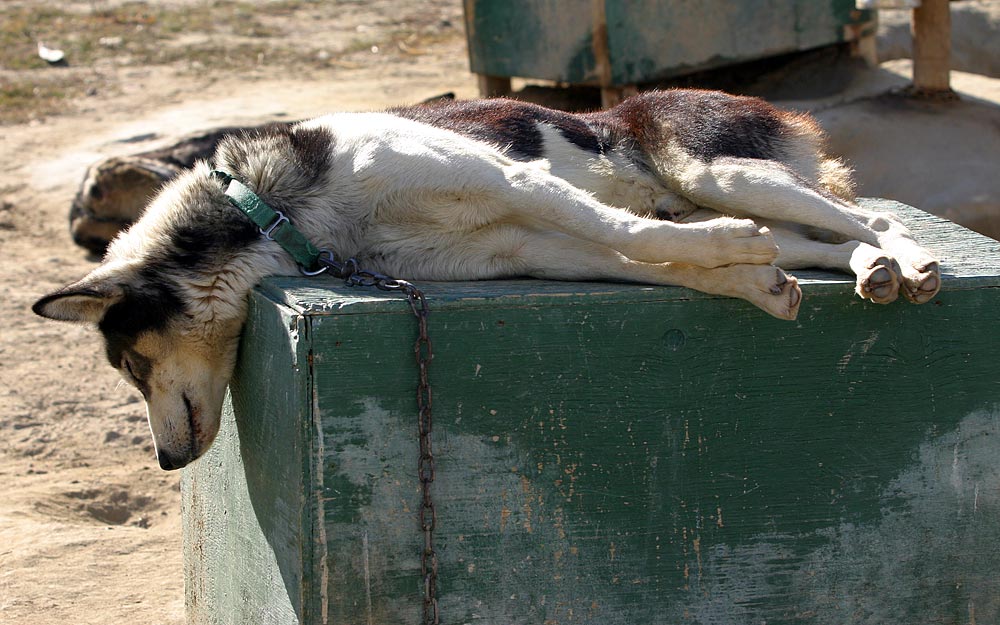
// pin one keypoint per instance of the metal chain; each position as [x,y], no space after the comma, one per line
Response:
[313,262]
[423,353]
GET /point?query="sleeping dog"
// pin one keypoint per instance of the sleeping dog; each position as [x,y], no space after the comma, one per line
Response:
[684,187]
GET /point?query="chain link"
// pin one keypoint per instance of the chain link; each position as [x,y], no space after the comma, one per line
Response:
[423,353]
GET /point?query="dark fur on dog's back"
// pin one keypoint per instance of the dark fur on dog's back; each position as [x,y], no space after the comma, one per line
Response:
[511,125]
[706,124]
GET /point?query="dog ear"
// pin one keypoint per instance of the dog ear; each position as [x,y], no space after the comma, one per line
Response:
[83,301]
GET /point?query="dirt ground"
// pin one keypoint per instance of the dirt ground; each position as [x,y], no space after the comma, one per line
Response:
[89,525]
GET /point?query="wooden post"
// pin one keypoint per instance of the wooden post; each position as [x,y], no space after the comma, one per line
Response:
[932,47]
[494,86]
[612,96]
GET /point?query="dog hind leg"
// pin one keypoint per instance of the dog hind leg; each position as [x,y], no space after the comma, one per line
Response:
[756,187]
[877,273]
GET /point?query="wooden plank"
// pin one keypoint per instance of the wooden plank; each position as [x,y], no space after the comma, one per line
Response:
[649,41]
[689,459]
[614,43]
[248,529]
[608,463]
[493,86]
[549,40]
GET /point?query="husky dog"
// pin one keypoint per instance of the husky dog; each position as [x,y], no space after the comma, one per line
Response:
[114,191]
[656,190]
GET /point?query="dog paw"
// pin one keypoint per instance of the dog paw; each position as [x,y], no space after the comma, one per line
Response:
[729,241]
[920,275]
[921,280]
[879,281]
[766,286]
[785,295]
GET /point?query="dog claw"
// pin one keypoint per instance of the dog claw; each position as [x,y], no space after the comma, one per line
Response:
[794,298]
[765,286]
[784,296]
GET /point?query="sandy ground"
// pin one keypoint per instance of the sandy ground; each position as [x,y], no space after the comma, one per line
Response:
[89,526]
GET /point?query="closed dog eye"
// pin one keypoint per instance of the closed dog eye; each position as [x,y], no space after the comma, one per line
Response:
[132,370]
[127,366]
[137,370]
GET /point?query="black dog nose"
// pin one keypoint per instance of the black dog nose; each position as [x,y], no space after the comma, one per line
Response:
[167,463]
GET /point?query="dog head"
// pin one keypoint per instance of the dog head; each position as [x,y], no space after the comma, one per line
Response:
[170,300]
[170,297]
[112,196]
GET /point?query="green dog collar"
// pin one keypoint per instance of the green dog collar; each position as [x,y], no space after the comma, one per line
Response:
[274,225]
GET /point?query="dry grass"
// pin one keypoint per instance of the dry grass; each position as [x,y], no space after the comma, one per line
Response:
[100,39]
[137,30]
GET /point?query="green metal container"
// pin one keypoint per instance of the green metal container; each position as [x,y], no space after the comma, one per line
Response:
[611,454]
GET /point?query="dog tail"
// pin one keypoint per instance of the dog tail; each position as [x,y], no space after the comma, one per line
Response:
[837,178]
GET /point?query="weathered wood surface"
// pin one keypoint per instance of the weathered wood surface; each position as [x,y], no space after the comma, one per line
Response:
[645,41]
[248,529]
[612,454]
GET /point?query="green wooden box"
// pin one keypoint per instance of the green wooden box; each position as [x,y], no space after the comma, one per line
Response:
[611,454]
[623,42]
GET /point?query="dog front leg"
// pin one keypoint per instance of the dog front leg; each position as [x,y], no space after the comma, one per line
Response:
[560,257]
